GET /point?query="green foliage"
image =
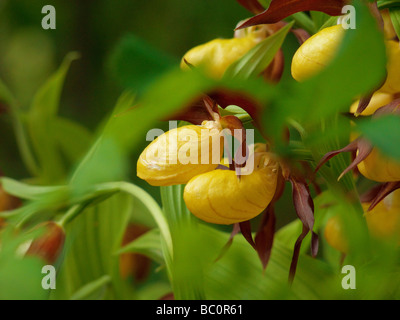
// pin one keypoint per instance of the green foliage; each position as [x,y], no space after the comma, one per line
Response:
[258,59]
[383,132]
[81,181]
[136,64]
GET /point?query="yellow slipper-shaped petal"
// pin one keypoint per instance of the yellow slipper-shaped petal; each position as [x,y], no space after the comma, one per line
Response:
[220,197]
[180,154]
[217,55]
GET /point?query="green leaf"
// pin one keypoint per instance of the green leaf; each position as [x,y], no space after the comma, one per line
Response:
[105,161]
[90,254]
[26,191]
[148,244]
[395,17]
[319,18]
[186,269]
[92,238]
[304,22]
[93,290]
[238,275]
[383,4]
[384,133]
[332,21]
[136,64]
[258,59]
[41,115]
[72,138]
[20,131]
[20,279]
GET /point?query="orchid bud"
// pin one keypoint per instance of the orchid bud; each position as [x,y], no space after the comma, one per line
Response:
[48,245]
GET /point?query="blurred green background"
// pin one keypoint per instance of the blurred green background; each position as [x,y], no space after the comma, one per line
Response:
[29,54]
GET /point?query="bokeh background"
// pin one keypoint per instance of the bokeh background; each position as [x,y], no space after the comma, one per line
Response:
[29,54]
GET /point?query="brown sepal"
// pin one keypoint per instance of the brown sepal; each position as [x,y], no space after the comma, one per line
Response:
[245,229]
[304,206]
[365,100]
[391,108]
[363,104]
[301,35]
[274,72]
[235,231]
[225,98]
[198,112]
[363,147]
[378,193]
[279,10]
[234,125]
[264,238]
[373,7]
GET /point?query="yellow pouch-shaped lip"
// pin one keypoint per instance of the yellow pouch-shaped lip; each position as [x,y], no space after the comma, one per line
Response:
[380,168]
[180,154]
[392,83]
[378,100]
[316,53]
[220,197]
[217,55]
[334,235]
[384,220]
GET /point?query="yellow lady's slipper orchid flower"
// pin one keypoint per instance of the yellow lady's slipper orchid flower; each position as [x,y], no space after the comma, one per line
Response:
[384,220]
[181,153]
[379,99]
[316,52]
[334,234]
[378,167]
[392,83]
[217,55]
[221,197]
